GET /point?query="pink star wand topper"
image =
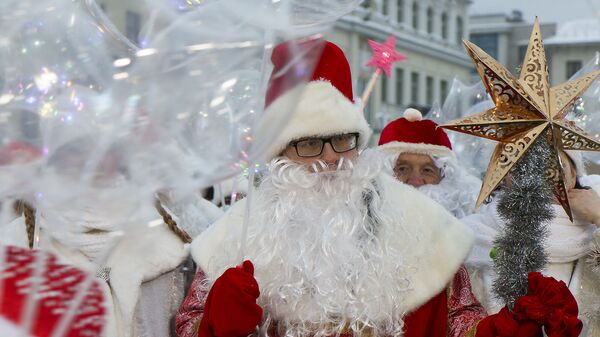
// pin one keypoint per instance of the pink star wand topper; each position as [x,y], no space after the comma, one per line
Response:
[384,55]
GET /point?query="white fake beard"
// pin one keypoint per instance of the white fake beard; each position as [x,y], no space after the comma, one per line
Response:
[457,191]
[321,261]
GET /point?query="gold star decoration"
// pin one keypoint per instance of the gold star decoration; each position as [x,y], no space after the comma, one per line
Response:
[526,109]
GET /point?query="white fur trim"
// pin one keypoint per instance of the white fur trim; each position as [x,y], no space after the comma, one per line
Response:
[577,159]
[413,115]
[14,233]
[420,148]
[444,245]
[142,255]
[321,110]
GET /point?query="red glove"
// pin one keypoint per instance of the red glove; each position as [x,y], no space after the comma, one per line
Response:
[504,324]
[230,309]
[548,304]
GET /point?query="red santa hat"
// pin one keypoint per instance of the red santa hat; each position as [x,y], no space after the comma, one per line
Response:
[324,106]
[413,134]
[60,284]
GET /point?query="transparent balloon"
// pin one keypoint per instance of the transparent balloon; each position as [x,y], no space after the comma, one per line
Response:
[57,59]
[585,112]
[300,16]
[93,128]
[55,130]
[465,100]
[294,17]
[187,107]
[203,82]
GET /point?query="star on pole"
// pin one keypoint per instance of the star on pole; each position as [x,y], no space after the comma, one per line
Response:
[526,109]
[384,55]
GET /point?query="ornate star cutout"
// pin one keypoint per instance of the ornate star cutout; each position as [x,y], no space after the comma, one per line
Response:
[384,55]
[526,109]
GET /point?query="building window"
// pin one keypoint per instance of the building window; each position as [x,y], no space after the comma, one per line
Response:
[400,11]
[460,29]
[414,87]
[429,20]
[572,68]
[384,7]
[384,86]
[429,90]
[444,26]
[415,16]
[132,26]
[443,91]
[399,86]
[488,42]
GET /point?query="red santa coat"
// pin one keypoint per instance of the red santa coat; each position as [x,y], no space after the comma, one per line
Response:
[454,312]
[436,257]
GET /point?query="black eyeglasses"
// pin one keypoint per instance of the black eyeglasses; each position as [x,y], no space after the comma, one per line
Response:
[313,147]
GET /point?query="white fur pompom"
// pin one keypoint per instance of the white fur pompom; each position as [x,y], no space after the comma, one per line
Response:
[412,115]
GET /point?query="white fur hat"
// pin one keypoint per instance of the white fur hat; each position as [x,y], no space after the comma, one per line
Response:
[413,134]
[321,110]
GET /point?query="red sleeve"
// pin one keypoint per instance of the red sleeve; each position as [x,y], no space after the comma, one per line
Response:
[464,310]
[190,313]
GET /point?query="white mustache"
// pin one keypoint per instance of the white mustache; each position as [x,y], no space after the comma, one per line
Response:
[322,166]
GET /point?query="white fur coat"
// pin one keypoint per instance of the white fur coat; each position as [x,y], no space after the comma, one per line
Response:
[435,255]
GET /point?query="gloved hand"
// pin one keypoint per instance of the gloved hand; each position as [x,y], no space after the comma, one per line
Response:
[230,309]
[504,324]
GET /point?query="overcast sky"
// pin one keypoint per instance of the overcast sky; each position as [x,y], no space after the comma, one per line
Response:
[547,10]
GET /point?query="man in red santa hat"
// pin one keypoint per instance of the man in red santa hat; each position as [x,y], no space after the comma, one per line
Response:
[337,246]
[421,155]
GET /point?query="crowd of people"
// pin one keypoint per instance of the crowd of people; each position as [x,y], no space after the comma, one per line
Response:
[339,239]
